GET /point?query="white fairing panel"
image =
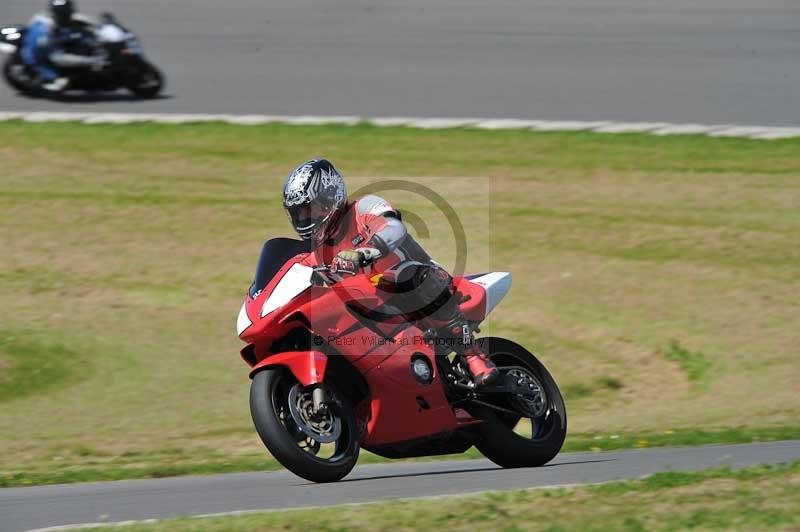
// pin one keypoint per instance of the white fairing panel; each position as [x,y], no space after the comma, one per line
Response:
[243,321]
[110,33]
[295,281]
[496,284]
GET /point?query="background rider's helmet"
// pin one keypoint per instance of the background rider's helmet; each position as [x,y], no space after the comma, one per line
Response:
[315,198]
[61,11]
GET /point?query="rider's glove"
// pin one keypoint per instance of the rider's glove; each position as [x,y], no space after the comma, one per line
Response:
[349,260]
[340,265]
[361,256]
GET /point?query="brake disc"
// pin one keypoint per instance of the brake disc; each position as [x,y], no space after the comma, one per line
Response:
[325,427]
[533,402]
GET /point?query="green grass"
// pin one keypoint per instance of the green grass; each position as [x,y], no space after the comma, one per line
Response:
[126,251]
[37,365]
[580,390]
[755,498]
[694,363]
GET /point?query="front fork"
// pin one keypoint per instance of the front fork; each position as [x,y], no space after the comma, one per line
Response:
[319,398]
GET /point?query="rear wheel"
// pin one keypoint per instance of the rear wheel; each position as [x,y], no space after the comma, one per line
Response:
[522,430]
[320,448]
[17,74]
[147,82]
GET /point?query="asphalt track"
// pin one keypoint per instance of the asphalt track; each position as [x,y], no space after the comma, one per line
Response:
[47,506]
[684,61]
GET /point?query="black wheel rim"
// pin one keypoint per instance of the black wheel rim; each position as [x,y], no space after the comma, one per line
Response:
[530,423]
[319,451]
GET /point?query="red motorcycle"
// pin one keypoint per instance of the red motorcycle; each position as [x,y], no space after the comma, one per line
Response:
[332,374]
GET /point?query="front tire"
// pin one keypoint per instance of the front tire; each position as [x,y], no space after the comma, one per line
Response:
[147,82]
[270,394]
[497,439]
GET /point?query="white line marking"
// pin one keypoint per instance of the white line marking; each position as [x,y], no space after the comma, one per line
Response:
[654,128]
[779,133]
[98,524]
[683,129]
[571,125]
[390,121]
[739,131]
[54,117]
[250,120]
[442,123]
[508,123]
[630,127]
[319,120]
[10,116]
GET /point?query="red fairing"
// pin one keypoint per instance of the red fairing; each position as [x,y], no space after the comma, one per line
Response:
[396,412]
[307,366]
[263,331]
[474,296]
[398,407]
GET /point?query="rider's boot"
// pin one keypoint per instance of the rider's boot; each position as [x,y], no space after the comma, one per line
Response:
[451,325]
[56,85]
[483,370]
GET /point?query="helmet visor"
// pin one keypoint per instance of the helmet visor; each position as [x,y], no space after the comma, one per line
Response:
[309,219]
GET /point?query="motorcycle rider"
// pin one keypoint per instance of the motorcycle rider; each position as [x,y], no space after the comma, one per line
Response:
[57,41]
[368,233]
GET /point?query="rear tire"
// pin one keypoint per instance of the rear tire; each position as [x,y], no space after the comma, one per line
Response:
[497,439]
[24,85]
[269,409]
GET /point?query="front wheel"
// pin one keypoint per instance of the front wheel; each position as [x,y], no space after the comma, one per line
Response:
[520,430]
[319,448]
[146,82]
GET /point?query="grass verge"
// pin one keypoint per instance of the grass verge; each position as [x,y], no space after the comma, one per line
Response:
[126,251]
[761,497]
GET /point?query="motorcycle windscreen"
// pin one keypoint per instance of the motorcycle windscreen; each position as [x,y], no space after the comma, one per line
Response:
[275,253]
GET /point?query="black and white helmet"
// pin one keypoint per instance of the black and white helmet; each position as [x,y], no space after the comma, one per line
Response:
[314,197]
